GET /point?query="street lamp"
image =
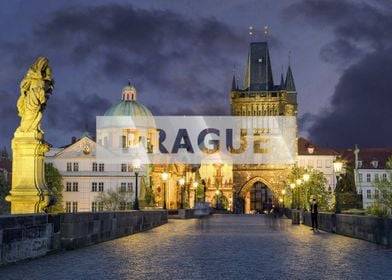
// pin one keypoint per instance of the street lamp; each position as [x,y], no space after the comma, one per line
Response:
[164,177]
[136,166]
[283,193]
[181,182]
[299,182]
[292,186]
[337,166]
[195,188]
[306,178]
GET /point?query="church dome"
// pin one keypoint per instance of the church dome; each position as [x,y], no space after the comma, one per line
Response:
[128,106]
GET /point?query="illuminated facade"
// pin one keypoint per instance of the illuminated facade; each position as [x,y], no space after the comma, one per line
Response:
[257,185]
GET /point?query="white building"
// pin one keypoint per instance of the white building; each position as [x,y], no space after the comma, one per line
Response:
[313,157]
[84,177]
[369,165]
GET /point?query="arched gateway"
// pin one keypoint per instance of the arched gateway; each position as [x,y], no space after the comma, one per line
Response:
[256,196]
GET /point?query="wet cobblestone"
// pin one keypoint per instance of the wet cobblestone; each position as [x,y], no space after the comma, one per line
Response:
[218,247]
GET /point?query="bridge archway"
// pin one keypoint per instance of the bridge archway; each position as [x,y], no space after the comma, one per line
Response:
[256,195]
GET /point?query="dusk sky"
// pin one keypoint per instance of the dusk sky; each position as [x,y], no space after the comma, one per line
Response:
[181,56]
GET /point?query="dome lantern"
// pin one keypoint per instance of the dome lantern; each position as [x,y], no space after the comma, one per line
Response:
[129,93]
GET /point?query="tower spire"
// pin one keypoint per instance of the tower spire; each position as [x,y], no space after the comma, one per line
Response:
[289,84]
[233,84]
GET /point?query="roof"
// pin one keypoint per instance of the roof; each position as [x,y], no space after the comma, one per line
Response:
[307,148]
[258,74]
[289,84]
[370,158]
[128,108]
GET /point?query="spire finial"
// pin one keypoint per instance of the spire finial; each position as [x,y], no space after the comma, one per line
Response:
[266,30]
[129,82]
[289,58]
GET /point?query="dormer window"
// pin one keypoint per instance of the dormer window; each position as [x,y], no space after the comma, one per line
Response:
[374,163]
[311,150]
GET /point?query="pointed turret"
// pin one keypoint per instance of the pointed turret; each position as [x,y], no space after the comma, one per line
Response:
[258,75]
[233,84]
[289,84]
[281,81]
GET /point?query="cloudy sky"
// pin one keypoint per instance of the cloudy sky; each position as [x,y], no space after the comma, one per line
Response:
[181,56]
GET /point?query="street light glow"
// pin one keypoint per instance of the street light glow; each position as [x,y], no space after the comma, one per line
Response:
[306,177]
[165,176]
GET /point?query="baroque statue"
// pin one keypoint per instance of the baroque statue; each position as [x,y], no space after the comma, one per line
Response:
[35,89]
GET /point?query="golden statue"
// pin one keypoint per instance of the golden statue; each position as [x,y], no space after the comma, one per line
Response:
[35,89]
[29,193]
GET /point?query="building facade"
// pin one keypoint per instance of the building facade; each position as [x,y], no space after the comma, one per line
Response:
[257,185]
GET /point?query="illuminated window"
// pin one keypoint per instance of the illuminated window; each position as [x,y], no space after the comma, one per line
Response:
[130,187]
[94,206]
[123,167]
[310,163]
[328,163]
[319,163]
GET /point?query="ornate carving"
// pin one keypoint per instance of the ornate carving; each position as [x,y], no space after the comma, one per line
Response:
[35,89]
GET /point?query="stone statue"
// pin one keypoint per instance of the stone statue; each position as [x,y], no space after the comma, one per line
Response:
[35,89]
[29,192]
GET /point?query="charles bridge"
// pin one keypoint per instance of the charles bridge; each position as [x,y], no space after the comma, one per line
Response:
[214,247]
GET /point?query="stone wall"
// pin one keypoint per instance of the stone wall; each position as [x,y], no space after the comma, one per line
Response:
[373,229]
[30,236]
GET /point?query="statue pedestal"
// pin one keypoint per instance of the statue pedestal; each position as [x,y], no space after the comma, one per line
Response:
[29,193]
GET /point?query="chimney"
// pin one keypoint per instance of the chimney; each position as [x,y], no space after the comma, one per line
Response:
[73,139]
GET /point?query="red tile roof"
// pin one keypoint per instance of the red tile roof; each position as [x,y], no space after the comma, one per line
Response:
[304,145]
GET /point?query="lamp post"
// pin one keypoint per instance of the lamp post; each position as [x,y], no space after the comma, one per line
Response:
[337,166]
[136,166]
[194,188]
[292,187]
[306,178]
[283,193]
[181,182]
[164,177]
[299,182]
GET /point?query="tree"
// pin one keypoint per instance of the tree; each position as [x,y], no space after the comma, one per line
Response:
[113,200]
[149,196]
[306,191]
[53,180]
[383,199]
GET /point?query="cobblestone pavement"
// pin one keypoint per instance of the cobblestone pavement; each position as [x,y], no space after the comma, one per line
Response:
[218,247]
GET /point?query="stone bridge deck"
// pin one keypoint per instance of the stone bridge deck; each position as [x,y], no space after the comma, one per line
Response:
[217,247]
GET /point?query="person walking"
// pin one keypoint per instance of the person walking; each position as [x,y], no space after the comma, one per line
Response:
[314,214]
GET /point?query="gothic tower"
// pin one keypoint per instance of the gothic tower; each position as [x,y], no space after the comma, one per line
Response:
[257,185]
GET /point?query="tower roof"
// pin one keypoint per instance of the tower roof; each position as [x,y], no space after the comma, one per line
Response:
[289,84]
[233,85]
[258,75]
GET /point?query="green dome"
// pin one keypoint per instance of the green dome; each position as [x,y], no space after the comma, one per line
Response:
[128,108]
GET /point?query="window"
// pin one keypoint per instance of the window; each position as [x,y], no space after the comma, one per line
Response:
[368,177]
[360,177]
[100,206]
[384,176]
[123,187]
[368,194]
[75,166]
[68,207]
[94,206]
[68,187]
[95,167]
[302,163]
[100,186]
[75,206]
[130,187]
[69,166]
[376,194]
[101,167]
[376,177]
[310,163]
[94,186]
[123,167]
[319,163]
[328,163]
[75,186]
